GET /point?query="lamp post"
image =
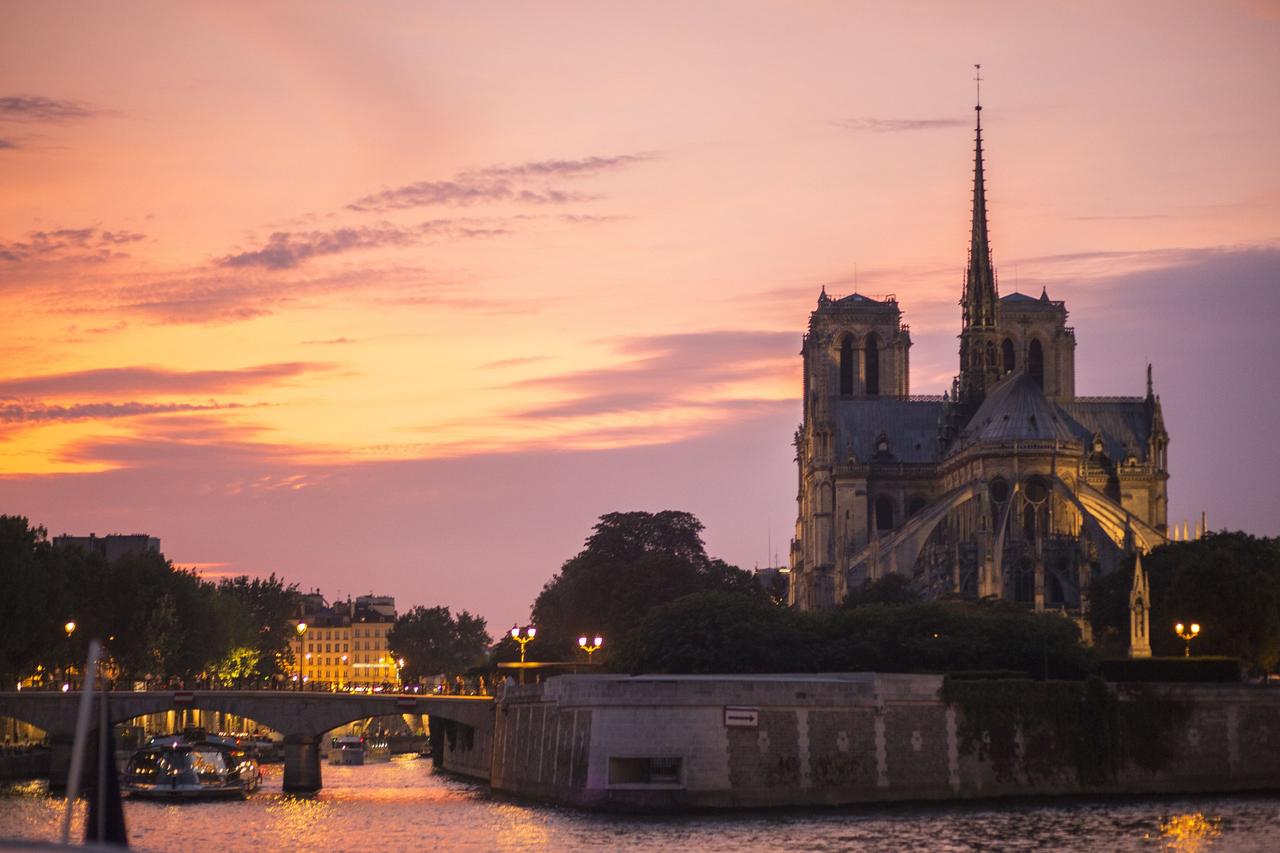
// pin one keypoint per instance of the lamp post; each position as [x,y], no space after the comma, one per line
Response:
[70,628]
[400,673]
[1187,634]
[590,648]
[301,628]
[523,636]
[342,672]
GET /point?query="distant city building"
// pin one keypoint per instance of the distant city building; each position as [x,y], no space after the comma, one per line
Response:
[1009,486]
[347,641]
[113,546]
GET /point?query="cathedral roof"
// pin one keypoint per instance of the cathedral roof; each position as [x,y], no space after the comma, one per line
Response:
[1016,408]
[910,428]
[1123,422]
[1018,297]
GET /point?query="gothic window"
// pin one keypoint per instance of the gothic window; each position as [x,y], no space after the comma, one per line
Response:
[1035,362]
[884,513]
[873,365]
[1029,522]
[991,355]
[1024,581]
[847,358]
[1054,590]
[914,505]
[1010,360]
[999,489]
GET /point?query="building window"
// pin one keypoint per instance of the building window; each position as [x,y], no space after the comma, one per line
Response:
[914,505]
[1035,362]
[847,358]
[644,771]
[1010,360]
[873,365]
[1024,581]
[884,513]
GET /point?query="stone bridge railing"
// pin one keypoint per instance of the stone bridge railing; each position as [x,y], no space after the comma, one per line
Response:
[302,717]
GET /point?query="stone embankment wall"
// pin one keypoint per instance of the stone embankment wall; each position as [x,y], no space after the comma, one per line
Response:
[652,742]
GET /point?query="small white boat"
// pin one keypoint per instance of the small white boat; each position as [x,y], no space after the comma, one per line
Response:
[347,750]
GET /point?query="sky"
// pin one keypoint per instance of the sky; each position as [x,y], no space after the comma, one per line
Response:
[401,297]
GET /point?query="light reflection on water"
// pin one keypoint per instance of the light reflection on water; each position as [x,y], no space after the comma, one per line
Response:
[403,805]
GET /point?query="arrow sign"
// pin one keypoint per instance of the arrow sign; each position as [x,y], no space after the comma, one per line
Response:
[739,717]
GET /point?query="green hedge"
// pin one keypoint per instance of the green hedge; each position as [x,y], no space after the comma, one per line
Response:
[1184,669]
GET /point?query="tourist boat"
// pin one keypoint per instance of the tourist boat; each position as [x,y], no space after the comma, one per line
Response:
[178,769]
[347,750]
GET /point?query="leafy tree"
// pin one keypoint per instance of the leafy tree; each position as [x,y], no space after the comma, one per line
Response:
[722,632]
[631,563]
[267,603]
[890,589]
[30,599]
[1229,582]
[433,641]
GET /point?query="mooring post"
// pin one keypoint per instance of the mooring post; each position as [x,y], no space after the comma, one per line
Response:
[302,763]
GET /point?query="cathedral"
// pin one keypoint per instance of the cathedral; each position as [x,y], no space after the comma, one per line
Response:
[1008,486]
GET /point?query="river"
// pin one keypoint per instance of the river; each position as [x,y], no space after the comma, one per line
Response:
[405,805]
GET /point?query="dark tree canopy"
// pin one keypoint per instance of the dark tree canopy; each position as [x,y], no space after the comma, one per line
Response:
[155,620]
[1229,582]
[433,642]
[631,563]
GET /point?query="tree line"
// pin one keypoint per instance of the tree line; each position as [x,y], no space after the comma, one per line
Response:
[155,620]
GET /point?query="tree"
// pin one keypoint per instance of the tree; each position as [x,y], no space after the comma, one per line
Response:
[268,603]
[433,641]
[1228,582]
[890,589]
[631,563]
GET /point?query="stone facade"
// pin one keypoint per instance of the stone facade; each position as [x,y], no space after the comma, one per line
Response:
[667,742]
[1008,486]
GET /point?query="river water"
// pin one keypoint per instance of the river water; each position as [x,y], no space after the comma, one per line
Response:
[404,805]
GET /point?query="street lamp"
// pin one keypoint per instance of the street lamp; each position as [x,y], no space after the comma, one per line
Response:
[70,628]
[399,672]
[590,648]
[301,628]
[1187,634]
[523,636]
[342,672]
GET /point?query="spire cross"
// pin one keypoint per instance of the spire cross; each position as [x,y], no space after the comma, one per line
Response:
[977,76]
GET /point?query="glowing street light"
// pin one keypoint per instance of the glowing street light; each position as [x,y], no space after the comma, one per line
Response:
[523,636]
[1187,634]
[301,628]
[70,628]
[590,648]
[342,671]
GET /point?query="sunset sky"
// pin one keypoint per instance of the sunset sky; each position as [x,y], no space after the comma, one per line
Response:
[400,297]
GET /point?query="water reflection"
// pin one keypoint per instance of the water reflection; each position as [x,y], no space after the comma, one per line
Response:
[1190,833]
[404,805]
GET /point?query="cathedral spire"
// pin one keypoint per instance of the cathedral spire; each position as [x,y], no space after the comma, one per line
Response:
[980,281]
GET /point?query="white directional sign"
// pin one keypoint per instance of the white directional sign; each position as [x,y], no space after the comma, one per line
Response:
[740,717]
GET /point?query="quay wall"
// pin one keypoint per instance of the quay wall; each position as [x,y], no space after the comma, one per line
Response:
[672,742]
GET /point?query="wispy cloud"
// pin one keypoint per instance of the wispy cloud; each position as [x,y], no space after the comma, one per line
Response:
[38,108]
[898,125]
[89,244]
[288,249]
[8,144]
[31,413]
[512,362]
[663,371]
[522,183]
[284,249]
[331,341]
[146,380]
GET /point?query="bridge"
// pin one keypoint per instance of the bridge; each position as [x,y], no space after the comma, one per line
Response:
[462,726]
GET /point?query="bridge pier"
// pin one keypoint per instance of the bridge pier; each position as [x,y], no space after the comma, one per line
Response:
[59,762]
[302,763]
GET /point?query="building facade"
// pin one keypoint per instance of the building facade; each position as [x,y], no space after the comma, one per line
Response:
[111,547]
[344,645]
[1007,486]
